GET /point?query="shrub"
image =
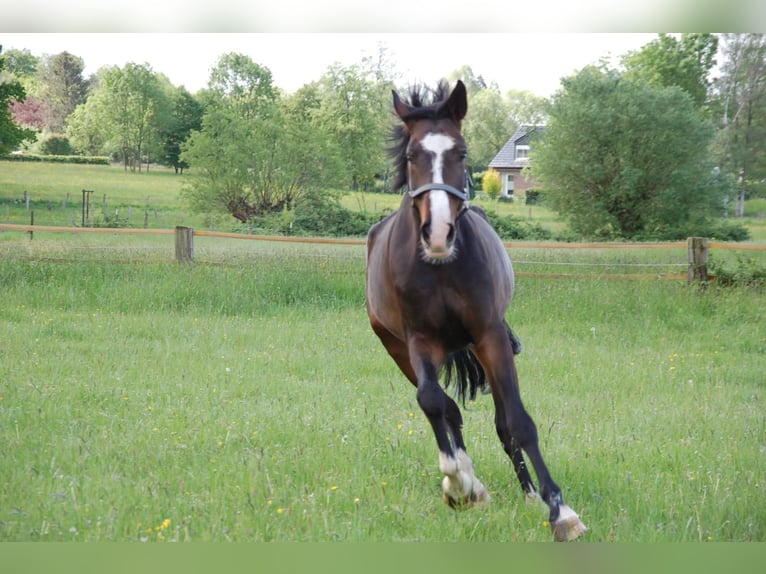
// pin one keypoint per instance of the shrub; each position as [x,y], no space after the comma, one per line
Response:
[76,159]
[533,197]
[315,215]
[746,272]
[491,183]
[508,228]
[56,145]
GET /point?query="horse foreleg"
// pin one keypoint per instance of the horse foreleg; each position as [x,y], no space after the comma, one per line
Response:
[461,487]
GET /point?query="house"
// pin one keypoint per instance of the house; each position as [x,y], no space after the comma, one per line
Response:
[513,158]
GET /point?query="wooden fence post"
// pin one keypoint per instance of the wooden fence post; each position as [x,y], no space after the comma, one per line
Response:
[697,254]
[184,244]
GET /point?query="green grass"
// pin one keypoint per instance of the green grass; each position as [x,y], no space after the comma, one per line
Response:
[246,399]
[153,199]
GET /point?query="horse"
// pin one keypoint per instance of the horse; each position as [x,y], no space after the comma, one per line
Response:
[438,284]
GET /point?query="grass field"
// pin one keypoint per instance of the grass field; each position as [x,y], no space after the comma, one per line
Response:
[246,399]
[153,197]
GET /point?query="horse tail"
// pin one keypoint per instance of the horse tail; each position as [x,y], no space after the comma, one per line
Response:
[470,375]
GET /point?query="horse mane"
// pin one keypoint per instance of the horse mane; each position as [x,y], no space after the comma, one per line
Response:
[426,102]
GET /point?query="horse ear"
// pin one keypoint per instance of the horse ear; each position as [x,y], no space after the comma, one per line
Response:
[402,110]
[457,103]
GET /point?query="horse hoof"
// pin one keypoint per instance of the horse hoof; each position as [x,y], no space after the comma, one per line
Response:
[474,493]
[466,502]
[568,526]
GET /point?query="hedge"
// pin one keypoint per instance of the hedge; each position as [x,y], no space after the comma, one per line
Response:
[78,159]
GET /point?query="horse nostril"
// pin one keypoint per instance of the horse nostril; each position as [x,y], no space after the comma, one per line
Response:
[425,231]
[451,234]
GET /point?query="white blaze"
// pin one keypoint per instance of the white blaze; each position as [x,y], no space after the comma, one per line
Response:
[438,145]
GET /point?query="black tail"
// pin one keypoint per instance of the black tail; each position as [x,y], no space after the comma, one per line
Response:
[469,372]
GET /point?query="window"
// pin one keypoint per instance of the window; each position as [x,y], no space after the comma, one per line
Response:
[522,152]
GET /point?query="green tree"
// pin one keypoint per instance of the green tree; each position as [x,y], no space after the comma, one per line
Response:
[256,153]
[525,108]
[135,102]
[492,119]
[90,128]
[486,128]
[185,117]
[11,134]
[741,91]
[685,62]
[350,111]
[623,158]
[23,66]
[474,84]
[62,88]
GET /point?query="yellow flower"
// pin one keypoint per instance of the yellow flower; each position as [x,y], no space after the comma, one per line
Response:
[333,488]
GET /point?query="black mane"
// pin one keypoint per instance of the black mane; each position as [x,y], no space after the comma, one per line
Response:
[426,103]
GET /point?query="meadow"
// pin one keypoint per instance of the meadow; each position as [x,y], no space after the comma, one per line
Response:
[245,398]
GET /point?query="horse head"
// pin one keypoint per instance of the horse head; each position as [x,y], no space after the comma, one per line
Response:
[435,172]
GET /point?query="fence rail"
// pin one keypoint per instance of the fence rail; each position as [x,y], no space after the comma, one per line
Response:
[696,264]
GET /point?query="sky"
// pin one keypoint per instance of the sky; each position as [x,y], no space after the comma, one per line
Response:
[534,62]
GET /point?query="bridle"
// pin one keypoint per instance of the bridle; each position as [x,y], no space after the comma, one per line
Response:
[462,195]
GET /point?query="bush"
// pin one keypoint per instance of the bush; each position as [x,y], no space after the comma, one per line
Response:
[75,159]
[509,228]
[319,215]
[56,145]
[491,183]
[534,197]
[746,272]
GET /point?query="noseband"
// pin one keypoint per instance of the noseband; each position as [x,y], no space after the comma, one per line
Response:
[461,195]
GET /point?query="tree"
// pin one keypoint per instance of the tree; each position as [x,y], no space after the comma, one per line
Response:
[90,127]
[350,111]
[492,119]
[185,117]
[23,66]
[256,154]
[486,128]
[624,159]
[30,113]
[133,103]
[741,90]
[473,84]
[62,88]
[525,108]
[11,134]
[685,62]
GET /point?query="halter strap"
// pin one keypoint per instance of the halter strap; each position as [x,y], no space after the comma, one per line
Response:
[461,195]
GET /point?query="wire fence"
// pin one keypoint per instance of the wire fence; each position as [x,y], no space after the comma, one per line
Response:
[668,260]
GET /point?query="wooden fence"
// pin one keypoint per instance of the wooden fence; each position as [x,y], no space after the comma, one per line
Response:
[697,248]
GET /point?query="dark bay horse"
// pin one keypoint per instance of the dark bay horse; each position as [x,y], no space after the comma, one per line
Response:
[439,283]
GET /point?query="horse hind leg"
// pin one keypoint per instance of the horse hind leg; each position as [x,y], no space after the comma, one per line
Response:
[517,430]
